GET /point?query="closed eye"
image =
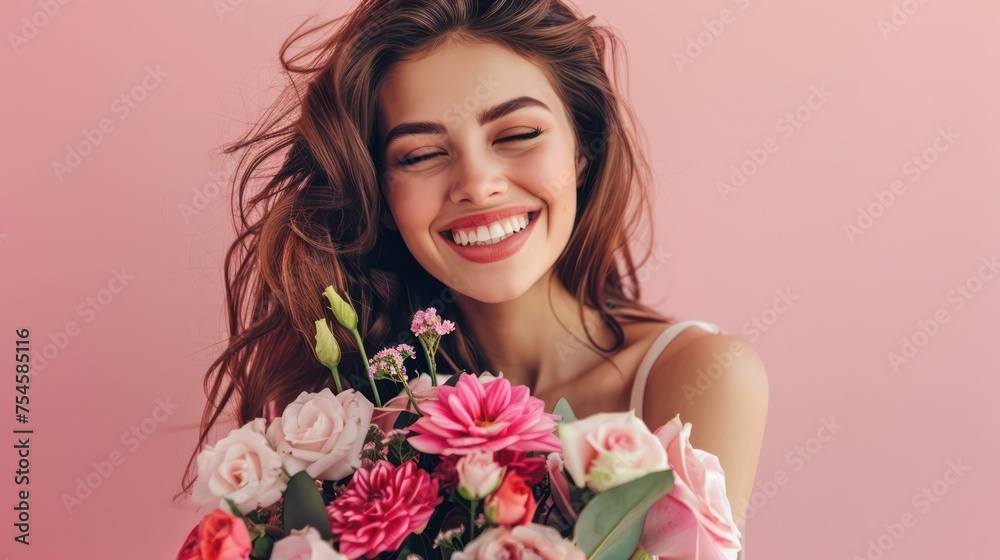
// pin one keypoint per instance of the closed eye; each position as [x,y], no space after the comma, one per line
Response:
[518,137]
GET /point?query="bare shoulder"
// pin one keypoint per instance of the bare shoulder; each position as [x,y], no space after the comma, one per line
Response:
[719,384]
[711,365]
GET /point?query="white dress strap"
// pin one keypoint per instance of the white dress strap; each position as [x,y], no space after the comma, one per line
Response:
[661,342]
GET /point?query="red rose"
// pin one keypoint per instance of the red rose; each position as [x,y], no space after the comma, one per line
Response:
[219,536]
[513,503]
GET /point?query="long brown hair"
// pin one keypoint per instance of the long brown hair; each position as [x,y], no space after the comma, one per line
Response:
[308,202]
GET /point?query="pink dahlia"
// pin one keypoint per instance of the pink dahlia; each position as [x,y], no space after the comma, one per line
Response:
[474,416]
[381,506]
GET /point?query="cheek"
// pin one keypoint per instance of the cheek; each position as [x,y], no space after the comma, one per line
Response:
[412,212]
[550,175]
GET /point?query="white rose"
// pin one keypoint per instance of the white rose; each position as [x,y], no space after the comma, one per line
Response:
[322,433]
[608,449]
[242,467]
[478,475]
[304,544]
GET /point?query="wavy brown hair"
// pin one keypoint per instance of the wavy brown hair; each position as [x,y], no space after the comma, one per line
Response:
[308,198]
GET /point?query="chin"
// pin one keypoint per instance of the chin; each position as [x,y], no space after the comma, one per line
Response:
[496,292]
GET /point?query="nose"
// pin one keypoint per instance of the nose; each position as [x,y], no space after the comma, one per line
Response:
[479,179]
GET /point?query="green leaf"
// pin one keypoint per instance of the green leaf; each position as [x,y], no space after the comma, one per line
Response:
[563,409]
[304,506]
[262,547]
[640,555]
[610,526]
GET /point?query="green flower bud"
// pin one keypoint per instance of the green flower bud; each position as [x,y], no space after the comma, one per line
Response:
[342,309]
[327,349]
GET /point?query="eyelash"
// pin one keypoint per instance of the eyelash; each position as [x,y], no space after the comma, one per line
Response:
[526,136]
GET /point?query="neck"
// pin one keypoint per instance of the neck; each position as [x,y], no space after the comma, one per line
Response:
[537,339]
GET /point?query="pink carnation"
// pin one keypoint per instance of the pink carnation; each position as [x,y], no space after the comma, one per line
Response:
[382,506]
[472,416]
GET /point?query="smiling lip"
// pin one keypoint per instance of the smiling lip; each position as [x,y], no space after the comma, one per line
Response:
[488,218]
[498,251]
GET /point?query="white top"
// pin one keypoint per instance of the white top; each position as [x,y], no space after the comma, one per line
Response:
[639,385]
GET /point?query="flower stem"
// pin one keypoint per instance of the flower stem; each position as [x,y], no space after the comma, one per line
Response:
[235,510]
[430,361]
[406,387]
[336,379]
[364,356]
[472,520]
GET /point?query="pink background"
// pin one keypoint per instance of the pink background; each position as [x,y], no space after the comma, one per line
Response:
[63,238]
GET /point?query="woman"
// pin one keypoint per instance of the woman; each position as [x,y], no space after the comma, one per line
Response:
[473,156]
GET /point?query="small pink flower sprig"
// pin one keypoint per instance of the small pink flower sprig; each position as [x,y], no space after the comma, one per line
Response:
[388,364]
[428,327]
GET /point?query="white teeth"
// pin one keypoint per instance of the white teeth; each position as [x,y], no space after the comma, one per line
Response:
[487,235]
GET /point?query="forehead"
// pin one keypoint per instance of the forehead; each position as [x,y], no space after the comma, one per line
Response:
[458,78]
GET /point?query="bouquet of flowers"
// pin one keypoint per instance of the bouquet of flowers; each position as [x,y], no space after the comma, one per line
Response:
[472,468]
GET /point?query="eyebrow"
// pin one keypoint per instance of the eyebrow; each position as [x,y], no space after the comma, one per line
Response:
[489,114]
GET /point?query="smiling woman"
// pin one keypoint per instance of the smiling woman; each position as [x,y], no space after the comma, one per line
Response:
[475,156]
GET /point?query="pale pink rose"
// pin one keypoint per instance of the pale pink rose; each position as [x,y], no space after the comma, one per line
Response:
[305,544]
[608,449]
[532,541]
[695,515]
[475,416]
[322,433]
[242,467]
[219,536]
[478,475]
